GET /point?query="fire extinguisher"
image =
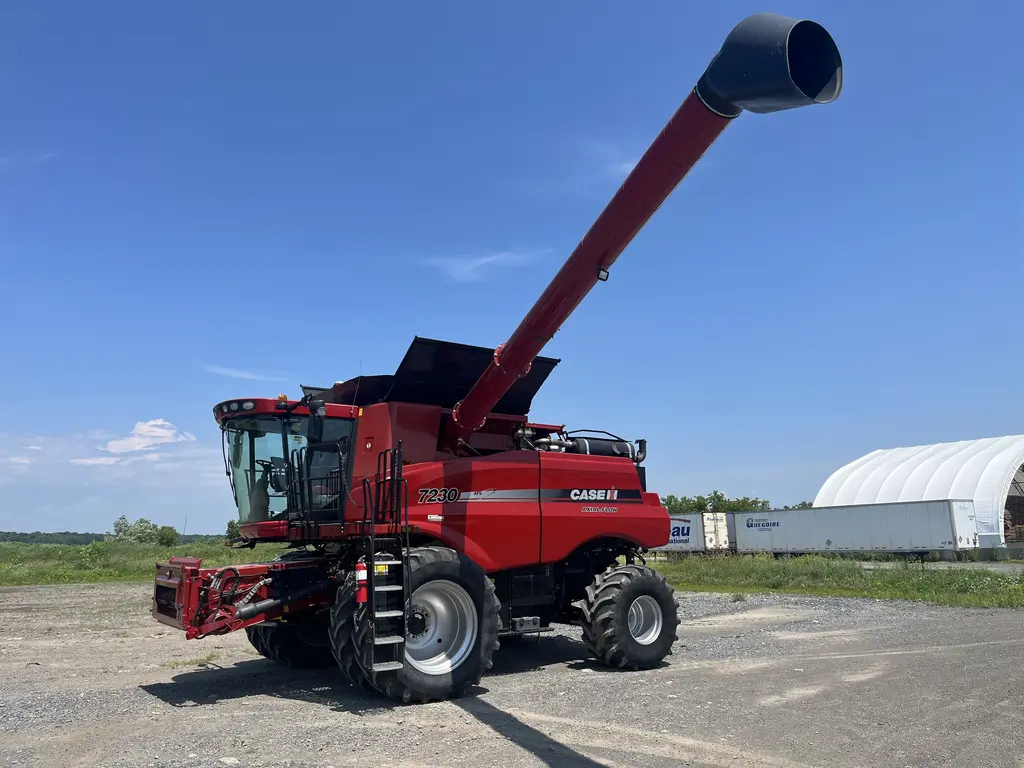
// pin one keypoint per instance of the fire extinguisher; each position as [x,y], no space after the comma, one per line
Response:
[361,593]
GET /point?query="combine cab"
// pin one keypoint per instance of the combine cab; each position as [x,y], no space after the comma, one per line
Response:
[427,515]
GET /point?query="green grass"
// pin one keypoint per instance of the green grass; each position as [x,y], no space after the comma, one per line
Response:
[738,576]
[835,577]
[24,564]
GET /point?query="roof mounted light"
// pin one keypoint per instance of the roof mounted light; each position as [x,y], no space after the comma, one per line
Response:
[248,405]
[234,406]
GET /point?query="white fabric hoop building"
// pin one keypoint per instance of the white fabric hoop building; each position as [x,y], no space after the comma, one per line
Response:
[985,470]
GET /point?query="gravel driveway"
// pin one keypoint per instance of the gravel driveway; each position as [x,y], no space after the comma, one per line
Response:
[88,678]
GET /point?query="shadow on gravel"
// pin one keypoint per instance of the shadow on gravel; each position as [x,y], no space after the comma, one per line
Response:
[542,746]
[532,654]
[594,666]
[518,655]
[325,688]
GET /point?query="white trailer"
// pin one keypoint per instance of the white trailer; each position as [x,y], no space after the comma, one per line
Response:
[707,532]
[912,526]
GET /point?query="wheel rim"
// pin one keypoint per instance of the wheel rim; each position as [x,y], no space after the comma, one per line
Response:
[645,619]
[449,627]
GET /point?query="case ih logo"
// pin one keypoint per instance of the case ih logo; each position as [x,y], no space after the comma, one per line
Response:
[593,494]
[762,524]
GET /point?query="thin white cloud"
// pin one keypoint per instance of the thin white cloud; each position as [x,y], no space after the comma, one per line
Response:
[146,435]
[581,167]
[622,168]
[33,447]
[473,269]
[609,158]
[74,484]
[109,461]
[21,159]
[238,373]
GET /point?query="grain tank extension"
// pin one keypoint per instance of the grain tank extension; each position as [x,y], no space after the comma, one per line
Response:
[427,514]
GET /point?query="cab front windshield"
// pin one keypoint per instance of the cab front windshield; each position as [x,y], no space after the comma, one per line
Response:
[257,450]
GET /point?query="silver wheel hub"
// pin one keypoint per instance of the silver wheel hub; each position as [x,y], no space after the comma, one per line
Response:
[645,620]
[449,627]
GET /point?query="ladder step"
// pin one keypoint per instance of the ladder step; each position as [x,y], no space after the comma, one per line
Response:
[388,588]
[387,562]
[388,614]
[388,640]
[388,666]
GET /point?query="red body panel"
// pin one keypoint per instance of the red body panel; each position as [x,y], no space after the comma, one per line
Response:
[496,517]
[625,512]
[517,509]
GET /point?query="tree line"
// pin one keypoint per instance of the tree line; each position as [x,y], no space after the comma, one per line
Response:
[717,501]
[144,531]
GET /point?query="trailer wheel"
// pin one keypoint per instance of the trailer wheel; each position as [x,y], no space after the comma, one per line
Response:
[452,629]
[629,617]
[300,643]
[341,633]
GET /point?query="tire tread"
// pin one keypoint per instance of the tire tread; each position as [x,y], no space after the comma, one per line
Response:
[602,635]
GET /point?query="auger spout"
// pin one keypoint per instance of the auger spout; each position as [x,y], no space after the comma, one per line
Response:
[767,63]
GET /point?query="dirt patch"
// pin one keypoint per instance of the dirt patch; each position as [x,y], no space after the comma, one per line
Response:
[749,619]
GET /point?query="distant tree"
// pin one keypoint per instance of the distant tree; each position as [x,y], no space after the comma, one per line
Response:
[60,537]
[142,531]
[122,529]
[801,505]
[716,501]
[166,536]
[232,531]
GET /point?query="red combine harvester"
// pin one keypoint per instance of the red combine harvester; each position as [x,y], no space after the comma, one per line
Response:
[427,515]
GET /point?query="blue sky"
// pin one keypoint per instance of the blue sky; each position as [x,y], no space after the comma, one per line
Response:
[205,201]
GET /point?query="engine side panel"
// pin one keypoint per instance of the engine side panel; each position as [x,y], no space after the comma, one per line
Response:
[589,497]
[487,507]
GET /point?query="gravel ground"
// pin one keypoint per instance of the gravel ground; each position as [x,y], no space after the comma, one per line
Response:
[88,678]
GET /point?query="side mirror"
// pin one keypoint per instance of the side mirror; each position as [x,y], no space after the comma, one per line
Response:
[315,426]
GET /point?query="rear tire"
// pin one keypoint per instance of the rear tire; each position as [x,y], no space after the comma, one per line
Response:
[300,643]
[629,617]
[452,633]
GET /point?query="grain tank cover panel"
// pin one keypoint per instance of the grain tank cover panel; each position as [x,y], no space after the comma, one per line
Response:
[361,390]
[442,372]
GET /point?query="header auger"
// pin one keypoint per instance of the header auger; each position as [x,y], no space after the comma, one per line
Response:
[427,515]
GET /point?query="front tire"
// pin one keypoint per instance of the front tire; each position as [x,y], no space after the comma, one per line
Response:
[629,617]
[341,633]
[452,629]
[299,643]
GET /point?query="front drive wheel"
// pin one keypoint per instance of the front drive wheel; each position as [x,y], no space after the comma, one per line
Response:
[300,643]
[629,617]
[451,631]
[341,633]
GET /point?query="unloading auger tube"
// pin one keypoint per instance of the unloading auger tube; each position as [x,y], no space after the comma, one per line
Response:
[767,63]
